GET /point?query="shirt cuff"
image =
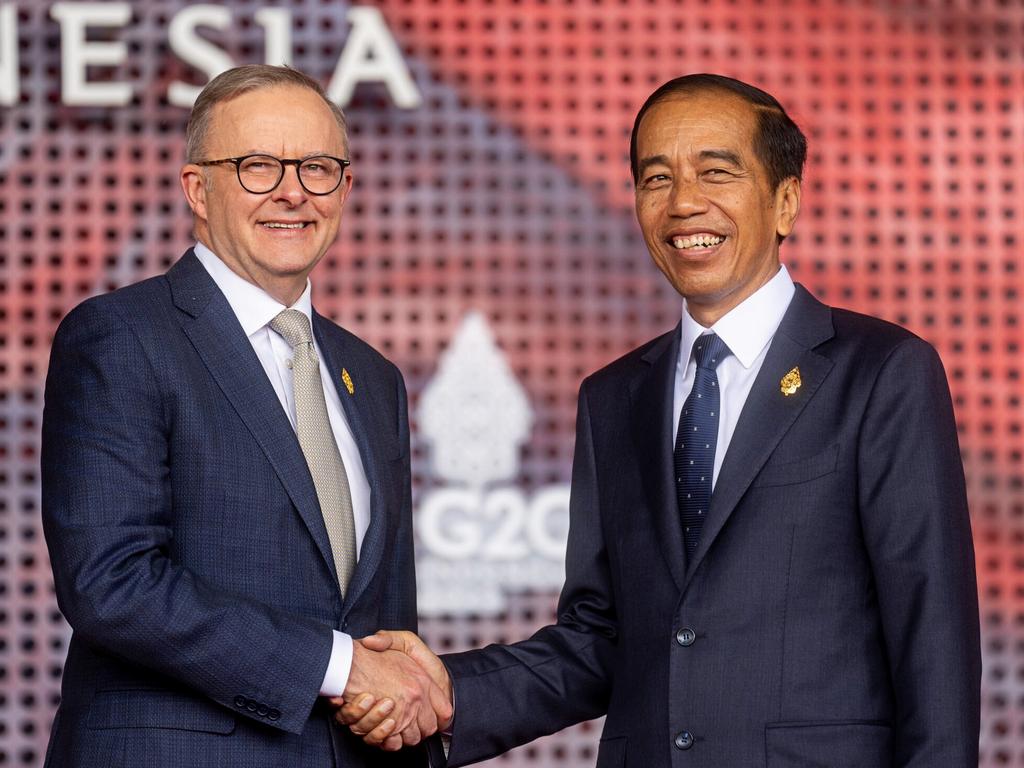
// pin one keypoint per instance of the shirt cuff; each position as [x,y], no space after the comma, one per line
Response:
[446,734]
[339,667]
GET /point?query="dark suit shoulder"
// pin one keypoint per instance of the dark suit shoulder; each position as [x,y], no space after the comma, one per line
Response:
[843,335]
[865,337]
[863,350]
[123,307]
[850,324]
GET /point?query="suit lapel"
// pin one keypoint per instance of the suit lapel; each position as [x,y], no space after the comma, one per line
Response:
[651,395]
[768,414]
[361,416]
[215,333]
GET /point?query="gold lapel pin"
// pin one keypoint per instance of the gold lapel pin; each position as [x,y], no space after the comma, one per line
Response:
[352,388]
[790,382]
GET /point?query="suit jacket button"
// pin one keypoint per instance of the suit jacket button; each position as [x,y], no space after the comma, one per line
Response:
[240,702]
[686,637]
[251,705]
[262,710]
[273,715]
[684,740]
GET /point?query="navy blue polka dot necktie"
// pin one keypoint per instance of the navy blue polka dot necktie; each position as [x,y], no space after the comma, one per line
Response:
[696,439]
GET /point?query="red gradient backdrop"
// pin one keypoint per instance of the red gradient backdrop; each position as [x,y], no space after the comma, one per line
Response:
[508,192]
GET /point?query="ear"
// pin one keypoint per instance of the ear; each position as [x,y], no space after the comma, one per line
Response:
[194,185]
[787,206]
[346,186]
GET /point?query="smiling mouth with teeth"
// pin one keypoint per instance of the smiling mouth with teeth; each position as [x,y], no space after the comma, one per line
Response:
[283,225]
[696,241]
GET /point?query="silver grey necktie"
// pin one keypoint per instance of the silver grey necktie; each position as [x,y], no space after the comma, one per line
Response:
[318,444]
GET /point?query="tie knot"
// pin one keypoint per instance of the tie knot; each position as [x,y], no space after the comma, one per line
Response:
[709,350]
[293,326]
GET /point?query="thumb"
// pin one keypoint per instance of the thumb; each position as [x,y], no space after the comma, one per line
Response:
[411,645]
[418,651]
[441,703]
[382,641]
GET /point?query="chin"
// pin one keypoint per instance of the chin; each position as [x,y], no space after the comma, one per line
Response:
[285,267]
[699,287]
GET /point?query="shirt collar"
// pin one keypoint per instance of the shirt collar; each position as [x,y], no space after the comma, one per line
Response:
[747,328]
[253,306]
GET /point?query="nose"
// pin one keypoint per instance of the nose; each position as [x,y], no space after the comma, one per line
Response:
[290,190]
[687,198]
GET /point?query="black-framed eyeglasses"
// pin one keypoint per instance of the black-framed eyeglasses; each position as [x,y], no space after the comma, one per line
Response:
[259,174]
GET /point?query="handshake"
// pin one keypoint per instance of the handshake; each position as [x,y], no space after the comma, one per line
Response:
[398,691]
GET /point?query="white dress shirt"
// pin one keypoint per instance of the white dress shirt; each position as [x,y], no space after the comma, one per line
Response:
[255,308]
[747,330]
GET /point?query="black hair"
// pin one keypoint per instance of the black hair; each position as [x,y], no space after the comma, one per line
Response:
[778,143]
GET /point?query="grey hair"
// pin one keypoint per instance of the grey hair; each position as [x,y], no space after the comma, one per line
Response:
[240,80]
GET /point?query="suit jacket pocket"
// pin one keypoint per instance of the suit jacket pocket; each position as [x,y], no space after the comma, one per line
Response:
[611,753]
[850,744]
[158,709]
[798,471]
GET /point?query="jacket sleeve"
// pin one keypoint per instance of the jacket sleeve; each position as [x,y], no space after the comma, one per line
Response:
[918,535]
[507,695]
[108,520]
[399,564]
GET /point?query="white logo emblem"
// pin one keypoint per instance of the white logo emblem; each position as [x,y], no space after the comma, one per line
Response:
[481,535]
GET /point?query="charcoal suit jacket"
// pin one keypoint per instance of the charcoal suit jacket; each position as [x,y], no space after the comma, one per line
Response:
[188,548]
[829,616]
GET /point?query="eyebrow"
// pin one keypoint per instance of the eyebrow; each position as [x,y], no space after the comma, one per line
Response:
[725,155]
[271,154]
[647,162]
[721,154]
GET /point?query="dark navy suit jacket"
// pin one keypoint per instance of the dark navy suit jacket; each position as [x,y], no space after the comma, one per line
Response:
[829,616]
[188,549]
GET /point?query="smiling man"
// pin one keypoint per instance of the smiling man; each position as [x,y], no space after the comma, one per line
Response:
[770,561]
[226,492]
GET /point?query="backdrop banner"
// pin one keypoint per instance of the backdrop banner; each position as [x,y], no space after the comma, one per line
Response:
[490,249]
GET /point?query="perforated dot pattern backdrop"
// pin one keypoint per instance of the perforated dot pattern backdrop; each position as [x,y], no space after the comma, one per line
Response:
[507,191]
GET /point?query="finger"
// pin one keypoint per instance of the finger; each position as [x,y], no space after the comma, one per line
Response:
[377,736]
[373,718]
[353,711]
[426,722]
[412,735]
[392,743]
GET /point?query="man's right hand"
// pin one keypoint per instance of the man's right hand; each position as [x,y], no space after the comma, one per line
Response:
[411,703]
[375,715]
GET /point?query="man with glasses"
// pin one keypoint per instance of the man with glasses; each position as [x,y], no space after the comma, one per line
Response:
[226,487]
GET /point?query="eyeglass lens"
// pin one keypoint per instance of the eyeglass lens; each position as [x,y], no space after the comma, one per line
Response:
[261,173]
